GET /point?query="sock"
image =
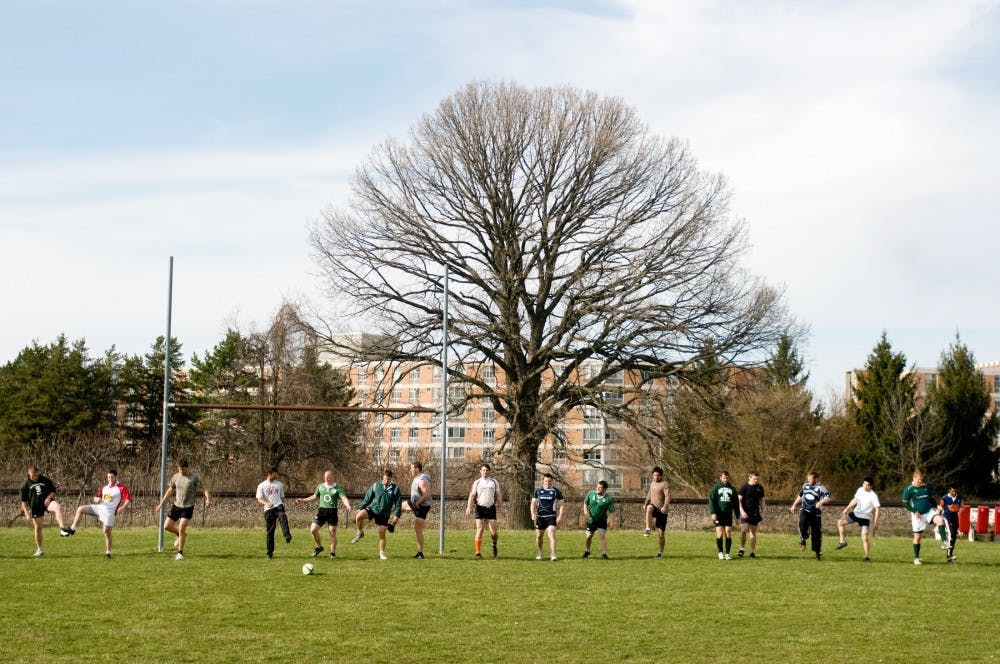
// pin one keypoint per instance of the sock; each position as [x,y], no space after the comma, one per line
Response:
[916,550]
[479,546]
[718,544]
[729,544]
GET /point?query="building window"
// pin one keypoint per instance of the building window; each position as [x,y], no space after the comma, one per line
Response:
[414,395]
[617,378]
[362,375]
[395,433]
[414,435]
[594,475]
[996,383]
[489,436]
[394,455]
[456,452]
[593,435]
[456,434]
[489,374]
[593,454]
[414,376]
[397,394]
[931,380]
[489,415]
[487,455]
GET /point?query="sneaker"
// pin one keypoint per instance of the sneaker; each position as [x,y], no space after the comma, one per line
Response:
[586,554]
[553,558]
[538,556]
[951,559]
[740,552]
[867,559]
[916,561]
[494,549]
[604,556]
[288,539]
[318,550]
[179,556]
[354,540]
[659,554]
[841,545]
[943,546]
[382,556]
[819,556]
[753,555]
[66,532]
[270,556]
[107,554]
[419,554]
[333,554]
[727,557]
[39,553]
[722,556]
[479,556]
[646,532]
[802,545]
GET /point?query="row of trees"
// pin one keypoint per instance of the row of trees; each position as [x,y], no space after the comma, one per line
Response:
[76,414]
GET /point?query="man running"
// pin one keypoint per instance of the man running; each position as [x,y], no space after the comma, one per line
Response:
[38,496]
[924,512]
[419,503]
[597,508]
[657,508]
[722,504]
[184,486]
[486,496]
[751,497]
[546,513]
[862,510]
[810,501]
[330,495]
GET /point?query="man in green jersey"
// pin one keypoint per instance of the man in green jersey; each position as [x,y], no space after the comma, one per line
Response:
[924,511]
[383,504]
[596,508]
[723,501]
[329,494]
[38,496]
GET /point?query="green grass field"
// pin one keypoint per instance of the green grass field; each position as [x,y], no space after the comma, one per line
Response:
[227,603]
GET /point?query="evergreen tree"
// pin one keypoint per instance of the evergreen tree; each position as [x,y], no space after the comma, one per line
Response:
[786,368]
[54,392]
[963,424]
[140,393]
[889,418]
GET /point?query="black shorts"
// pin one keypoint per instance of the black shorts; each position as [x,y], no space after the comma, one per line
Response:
[38,511]
[752,519]
[419,512]
[659,518]
[851,517]
[724,519]
[326,516]
[379,519]
[178,513]
[488,513]
[593,525]
[544,522]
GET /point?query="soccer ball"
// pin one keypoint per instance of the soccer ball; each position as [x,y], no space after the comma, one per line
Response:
[308,568]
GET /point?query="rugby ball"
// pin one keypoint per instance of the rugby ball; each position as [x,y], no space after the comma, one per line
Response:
[308,568]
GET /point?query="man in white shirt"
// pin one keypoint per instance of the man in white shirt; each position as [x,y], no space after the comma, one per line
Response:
[271,494]
[862,510]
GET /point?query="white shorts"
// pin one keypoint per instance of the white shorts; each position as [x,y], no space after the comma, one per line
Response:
[921,521]
[104,514]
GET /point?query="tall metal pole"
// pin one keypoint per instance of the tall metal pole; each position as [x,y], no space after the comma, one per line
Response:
[444,408]
[166,403]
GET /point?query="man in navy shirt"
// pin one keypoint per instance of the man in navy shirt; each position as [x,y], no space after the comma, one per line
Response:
[546,512]
[810,502]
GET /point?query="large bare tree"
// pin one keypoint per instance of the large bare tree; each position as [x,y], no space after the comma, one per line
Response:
[571,233]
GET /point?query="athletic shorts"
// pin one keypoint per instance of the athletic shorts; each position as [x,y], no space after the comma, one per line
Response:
[105,515]
[724,519]
[921,521]
[177,513]
[593,525]
[545,522]
[379,519]
[326,516]
[752,519]
[420,512]
[38,511]
[659,519]
[487,513]
[854,518]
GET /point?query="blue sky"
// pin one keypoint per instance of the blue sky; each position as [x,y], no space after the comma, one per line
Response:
[859,140]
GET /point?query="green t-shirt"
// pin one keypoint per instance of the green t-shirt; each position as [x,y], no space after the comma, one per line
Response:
[918,499]
[599,506]
[722,499]
[329,496]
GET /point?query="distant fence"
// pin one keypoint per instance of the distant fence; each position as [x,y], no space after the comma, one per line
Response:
[243,511]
